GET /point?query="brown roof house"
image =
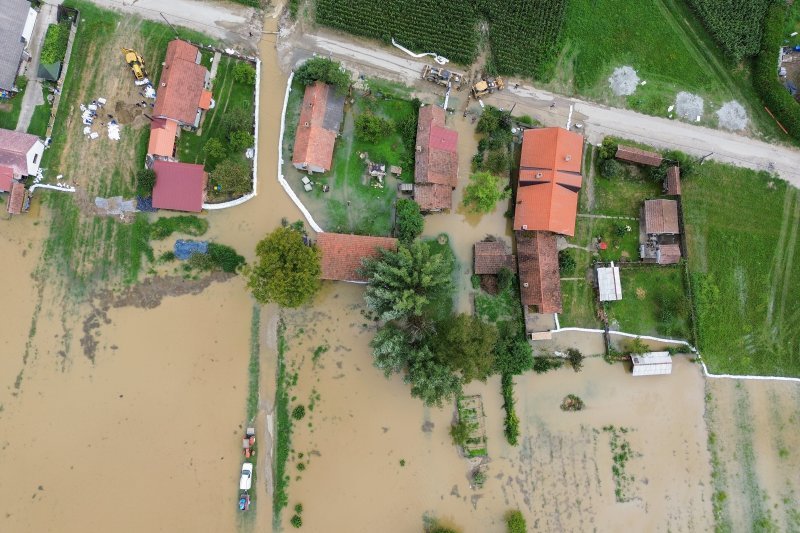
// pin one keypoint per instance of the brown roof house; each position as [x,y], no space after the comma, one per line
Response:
[539,278]
[342,254]
[179,186]
[672,184]
[21,152]
[630,154]
[317,128]
[659,234]
[436,161]
[182,86]
[491,257]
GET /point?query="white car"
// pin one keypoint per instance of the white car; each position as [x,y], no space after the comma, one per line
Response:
[246,481]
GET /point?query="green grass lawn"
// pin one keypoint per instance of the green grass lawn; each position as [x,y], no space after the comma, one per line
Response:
[654,302]
[9,117]
[664,43]
[441,305]
[622,244]
[742,234]
[578,301]
[227,94]
[623,196]
[41,116]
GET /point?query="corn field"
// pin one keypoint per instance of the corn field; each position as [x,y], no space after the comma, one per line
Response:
[735,24]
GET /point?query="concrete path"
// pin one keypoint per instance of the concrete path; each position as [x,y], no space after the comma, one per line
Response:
[598,120]
[214,66]
[33,92]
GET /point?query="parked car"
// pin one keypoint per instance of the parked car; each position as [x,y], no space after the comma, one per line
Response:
[246,481]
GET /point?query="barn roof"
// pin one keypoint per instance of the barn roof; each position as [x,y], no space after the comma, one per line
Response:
[13,18]
[14,147]
[162,137]
[6,178]
[673,182]
[433,197]
[539,279]
[16,199]
[491,256]
[661,217]
[436,160]
[342,254]
[632,154]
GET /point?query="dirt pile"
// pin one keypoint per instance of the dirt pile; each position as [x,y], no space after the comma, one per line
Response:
[732,116]
[623,81]
[689,106]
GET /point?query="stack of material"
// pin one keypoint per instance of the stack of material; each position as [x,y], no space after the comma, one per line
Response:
[184,249]
[113,130]
[114,205]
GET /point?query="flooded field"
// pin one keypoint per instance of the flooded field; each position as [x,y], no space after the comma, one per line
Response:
[371,455]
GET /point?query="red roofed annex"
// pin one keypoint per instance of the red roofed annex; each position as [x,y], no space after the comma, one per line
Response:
[342,254]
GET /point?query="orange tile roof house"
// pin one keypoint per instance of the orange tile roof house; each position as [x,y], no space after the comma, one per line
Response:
[539,278]
[549,181]
[317,128]
[21,152]
[631,154]
[491,257]
[179,186]
[182,86]
[342,254]
[162,138]
[436,161]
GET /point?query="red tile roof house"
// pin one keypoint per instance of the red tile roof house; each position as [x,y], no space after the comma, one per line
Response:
[546,205]
[179,186]
[20,152]
[491,257]
[436,161]
[6,178]
[659,234]
[317,128]
[342,254]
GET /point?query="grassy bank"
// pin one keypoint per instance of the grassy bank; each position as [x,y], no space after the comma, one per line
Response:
[283,431]
[742,234]
[254,367]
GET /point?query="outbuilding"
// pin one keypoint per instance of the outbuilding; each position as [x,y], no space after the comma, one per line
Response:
[609,287]
[652,364]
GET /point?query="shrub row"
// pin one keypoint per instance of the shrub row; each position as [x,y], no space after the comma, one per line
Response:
[511,425]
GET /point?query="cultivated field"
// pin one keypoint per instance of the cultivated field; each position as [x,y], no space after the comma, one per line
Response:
[742,230]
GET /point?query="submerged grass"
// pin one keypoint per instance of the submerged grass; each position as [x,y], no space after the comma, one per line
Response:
[254,367]
[283,430]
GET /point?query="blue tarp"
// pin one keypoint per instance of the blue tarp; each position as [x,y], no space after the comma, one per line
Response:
[145,203]
[185,249]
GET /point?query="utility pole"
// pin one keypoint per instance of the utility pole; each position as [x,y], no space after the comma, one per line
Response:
[704,157]
[170,24]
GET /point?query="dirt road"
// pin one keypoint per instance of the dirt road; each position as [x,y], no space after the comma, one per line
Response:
[598,120]
[233,24]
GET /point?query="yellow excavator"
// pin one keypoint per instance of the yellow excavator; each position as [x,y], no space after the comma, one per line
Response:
[135,61]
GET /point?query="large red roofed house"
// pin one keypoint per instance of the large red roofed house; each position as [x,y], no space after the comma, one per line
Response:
[342,254]
[21,152]
[549,181]
[179,186]
[436,161]
[182,86]
[317,128]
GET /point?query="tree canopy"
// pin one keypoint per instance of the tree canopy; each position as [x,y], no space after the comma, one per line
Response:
[287,270]
[232,177]
[466,344]
[409,222]
[324,70]
[483,192]
[401,283]
[372,128]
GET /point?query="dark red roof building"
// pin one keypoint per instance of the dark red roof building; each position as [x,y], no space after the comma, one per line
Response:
[491,257]
[672,185]
[179,186]
[539,279]
[630,154]
[6,178]
[436,160]
[16,199]
[342,254]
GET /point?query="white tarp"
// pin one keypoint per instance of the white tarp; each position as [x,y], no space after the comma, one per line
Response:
[608,283]
[652,364]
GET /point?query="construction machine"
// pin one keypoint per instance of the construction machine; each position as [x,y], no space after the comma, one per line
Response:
[488,86]
[441,76]
[135,61]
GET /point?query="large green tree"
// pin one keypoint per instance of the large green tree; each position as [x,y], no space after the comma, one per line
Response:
[402,283]
[287,269]
[483,192]
[466,344]
[325,70]
[372,128]
[409,222]
[232,177]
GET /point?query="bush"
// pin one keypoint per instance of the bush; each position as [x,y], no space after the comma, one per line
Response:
[765,79]
[504,277]
[566,262]
[409,222]
[145,181]
[214,149]
[483,192]
[200,261]
[608,148]
[546,364]
[575,358]
[187,224]
[459,432]
[571,403]
[498,162]
[244,73]
[232,177]
[324,70]
[167,256]
[475,280]
[611,168]
[296,521]
[515,522]
[55,43]
[372,128]
[511,424]
[298,412]
[225,257]
[298,508]
[242,140]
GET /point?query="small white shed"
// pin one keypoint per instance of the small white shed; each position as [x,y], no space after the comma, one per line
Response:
[608,284]
[652,364]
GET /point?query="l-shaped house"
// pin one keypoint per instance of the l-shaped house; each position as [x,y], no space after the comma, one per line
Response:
[20,157]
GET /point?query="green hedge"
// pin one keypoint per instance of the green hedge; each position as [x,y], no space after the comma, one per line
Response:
[55,43]
[765,76]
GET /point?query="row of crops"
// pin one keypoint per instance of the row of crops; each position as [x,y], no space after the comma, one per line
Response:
[525,35]
[735,24]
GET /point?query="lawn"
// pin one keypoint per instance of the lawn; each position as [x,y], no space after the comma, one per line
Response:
[742,234]
[623,195]
[41,116]
[578,301]
[228,93]
[9,117]
[505,305]
[441,305]
[354,204]
[654,302]
[621,237]
[664,43]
